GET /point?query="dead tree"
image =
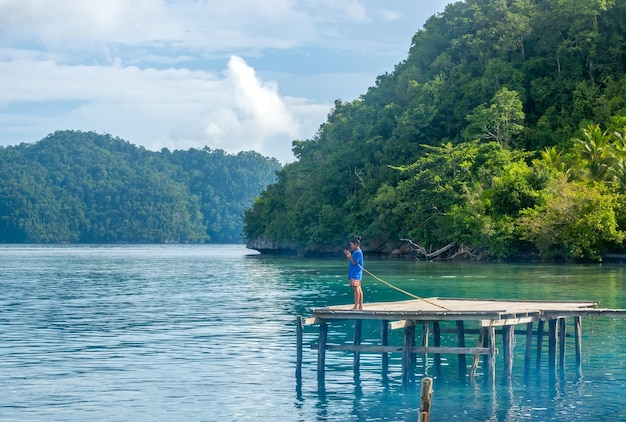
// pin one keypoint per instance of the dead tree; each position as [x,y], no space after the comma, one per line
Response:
[445,253]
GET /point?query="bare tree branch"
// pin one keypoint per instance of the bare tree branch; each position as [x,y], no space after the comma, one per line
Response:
[460,252]
[356,173]
[429,255]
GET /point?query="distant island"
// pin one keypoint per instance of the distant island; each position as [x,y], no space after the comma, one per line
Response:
[85,187]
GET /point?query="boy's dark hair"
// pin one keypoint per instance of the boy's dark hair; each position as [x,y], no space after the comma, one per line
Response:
[356,240]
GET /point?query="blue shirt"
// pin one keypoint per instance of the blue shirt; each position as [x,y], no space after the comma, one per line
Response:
[356,271]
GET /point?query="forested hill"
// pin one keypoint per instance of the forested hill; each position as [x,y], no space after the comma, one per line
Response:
[501,135]
[84,187]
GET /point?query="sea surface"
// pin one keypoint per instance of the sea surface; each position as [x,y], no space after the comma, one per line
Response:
[207,333]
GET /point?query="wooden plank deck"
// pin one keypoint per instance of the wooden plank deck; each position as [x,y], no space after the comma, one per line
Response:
[498,312]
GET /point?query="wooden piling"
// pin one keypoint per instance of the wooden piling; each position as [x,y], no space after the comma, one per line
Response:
[491,333]
[578,341]
[358,329]
[561,335]
[384,341]
[486,364]
[408,369]
[425,333]
[413,344]
[437,343]
[508,340]
[479,343]
[424,343]
[460,334]
[528,351]
[540,326]
[299,348]
[426,397]
[321,352]
[552,337]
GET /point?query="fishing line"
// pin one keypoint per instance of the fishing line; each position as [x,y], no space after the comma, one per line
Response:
[402,291]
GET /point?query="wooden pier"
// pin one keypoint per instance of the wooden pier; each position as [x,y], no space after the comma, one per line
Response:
[488,318]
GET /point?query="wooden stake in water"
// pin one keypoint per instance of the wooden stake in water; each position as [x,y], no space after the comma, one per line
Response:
[427,397]
[356,361]
[299,349]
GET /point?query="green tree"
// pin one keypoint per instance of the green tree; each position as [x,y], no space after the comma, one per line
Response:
[502,121]
[575,221]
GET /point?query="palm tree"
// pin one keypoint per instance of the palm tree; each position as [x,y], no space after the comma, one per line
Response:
[594,151]
[552,160]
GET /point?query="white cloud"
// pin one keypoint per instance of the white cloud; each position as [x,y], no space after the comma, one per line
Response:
[390,15]
[235,75]
[174,108]
[204,25]
[340,11]
[260,103]
[84,20]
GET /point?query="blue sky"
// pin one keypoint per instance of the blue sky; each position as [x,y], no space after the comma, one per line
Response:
[236,75]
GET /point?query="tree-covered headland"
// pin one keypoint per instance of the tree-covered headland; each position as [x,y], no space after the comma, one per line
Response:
[84,187]
[501,135]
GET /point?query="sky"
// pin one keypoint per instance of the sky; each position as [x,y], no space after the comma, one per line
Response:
[235,75]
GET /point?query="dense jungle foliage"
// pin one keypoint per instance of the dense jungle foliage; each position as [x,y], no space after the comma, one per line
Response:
[501,135]
[85,187]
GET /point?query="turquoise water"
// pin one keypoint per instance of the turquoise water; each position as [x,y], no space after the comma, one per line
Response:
[207,333]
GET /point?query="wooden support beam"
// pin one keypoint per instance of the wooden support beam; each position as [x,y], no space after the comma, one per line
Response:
[491,334]
[539,344]
[591,312]
[529,346]
[486,365]
[518,331]
[310,321]
[358,330]
[436,344]
[508,341]
[578,341]
[552,334]
[321,353]
[384,341]
[327,314]
[375,348]
[413,354]
[561,335]
[408,369]
[424,342]
[460,336]
[507,321]
[480,343]
[396,325]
